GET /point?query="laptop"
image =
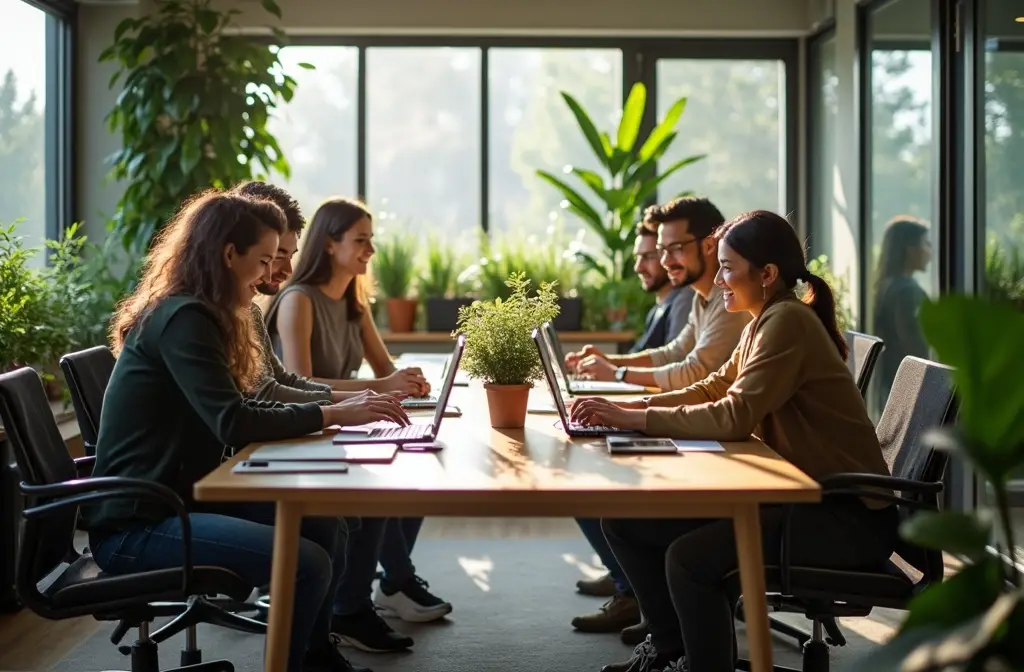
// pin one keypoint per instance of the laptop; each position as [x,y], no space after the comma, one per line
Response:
[415,433]
[428,401]
[571,428]
[574,387]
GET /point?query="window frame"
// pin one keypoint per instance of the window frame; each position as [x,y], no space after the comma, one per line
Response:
[811,75]
[639,55]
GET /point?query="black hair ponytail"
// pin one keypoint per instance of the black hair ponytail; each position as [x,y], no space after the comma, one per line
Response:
[823,302]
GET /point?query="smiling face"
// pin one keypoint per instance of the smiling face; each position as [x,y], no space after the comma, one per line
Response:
[282,266]
[682,253]
[745,286]
[253,267]
[647,264]
[352,253]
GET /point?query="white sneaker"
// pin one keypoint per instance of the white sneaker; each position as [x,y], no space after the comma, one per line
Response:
[412,602]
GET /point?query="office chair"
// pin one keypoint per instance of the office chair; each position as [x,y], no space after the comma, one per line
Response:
[864,353]
[87,373]
[56,582]
[922,397]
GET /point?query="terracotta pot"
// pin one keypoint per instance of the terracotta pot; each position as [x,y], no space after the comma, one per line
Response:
[507,405]
[401,314]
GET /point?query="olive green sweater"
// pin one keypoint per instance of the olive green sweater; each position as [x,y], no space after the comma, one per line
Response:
[787,384]
[172,407]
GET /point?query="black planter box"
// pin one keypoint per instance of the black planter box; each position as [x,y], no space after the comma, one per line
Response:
[443,314]
[570,318]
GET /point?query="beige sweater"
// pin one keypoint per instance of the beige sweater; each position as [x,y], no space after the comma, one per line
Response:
[786,384]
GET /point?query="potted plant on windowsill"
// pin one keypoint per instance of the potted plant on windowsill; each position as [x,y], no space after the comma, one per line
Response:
[393,267]
[438,287]
[500,349]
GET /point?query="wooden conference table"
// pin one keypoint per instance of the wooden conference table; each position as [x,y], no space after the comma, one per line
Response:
[535,471]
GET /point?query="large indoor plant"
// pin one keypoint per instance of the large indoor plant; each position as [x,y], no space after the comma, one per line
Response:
[840,287]
[975,619]
[193,112]
[394,266]
[626,178]
[499,346]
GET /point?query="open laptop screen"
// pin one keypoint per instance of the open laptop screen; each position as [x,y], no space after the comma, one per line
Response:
[449,382]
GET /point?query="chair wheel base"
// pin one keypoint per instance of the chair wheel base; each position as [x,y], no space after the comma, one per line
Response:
[815,657]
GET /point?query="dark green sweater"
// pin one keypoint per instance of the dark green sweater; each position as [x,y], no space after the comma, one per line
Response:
[172,406]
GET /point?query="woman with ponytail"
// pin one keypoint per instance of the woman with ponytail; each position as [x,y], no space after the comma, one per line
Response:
[786,383]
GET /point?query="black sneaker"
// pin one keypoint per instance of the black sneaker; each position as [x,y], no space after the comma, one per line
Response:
[645,658]
[677,665]
[328,659]
[367,631]
[410,601]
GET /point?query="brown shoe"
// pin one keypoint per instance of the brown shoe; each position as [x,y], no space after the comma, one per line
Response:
[602,586]
[635,634]
[614,615]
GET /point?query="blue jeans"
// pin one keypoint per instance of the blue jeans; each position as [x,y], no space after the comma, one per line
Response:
[396,553]
[239,538]
[591,528]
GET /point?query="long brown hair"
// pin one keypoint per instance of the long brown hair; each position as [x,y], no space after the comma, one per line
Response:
[763,238]
[332,220]
[187,258]
[901,234]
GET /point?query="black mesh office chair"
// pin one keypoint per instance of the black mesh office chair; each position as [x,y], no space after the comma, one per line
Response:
[54,581]
[87,373]
[864,352]
[921,398]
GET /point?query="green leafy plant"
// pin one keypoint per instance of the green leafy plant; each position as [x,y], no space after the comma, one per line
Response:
[1004,272]
[27,336]
[499,344]
[440,271]
[500,258]
[974,620]
[840,287]
[394,266]
[630,178]
[193,111]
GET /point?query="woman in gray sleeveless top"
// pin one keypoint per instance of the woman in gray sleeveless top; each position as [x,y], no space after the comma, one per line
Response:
[321,328]
[319,324]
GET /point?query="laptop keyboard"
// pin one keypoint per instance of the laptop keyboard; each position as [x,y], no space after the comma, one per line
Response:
[591,429]
[407,432]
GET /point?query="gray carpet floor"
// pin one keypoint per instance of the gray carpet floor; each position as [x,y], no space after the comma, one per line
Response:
[513,600]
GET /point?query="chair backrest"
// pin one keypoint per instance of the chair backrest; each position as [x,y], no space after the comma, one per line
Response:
[864,352]
[87,373]
[922,398]
[42,458]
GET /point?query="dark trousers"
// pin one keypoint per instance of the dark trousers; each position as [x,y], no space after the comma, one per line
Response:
[679,569]
[591,528]
[239,538]
[396,551]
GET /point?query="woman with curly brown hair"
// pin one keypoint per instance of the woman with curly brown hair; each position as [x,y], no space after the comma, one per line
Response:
[186,352]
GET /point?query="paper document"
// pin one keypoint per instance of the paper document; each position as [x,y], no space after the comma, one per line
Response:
[699,446]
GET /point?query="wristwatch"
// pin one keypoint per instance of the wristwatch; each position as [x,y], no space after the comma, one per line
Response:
[620,374]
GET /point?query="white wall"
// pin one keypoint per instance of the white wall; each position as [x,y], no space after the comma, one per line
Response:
[97,196]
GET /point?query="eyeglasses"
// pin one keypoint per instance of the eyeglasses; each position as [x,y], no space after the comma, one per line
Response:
[676,249]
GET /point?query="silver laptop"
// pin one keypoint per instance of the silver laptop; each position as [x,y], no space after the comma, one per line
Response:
[573,386]
[414,433]
[544,349]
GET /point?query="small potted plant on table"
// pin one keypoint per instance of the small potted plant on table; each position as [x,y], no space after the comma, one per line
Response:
[500,349]
[393,268]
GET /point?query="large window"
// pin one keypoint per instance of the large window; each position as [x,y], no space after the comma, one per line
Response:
[423,139]
[735,114]
[1001,225]
[23,109]
[530,127]
[318,128]
[901,224]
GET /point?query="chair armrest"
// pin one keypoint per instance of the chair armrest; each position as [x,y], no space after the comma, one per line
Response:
[856,481]
[84,465]
[74,493]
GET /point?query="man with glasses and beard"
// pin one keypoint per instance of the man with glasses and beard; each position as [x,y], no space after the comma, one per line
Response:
[672,308]
[689,254]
